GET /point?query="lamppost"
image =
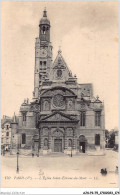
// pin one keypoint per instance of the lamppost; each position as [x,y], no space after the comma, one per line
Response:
[17,153]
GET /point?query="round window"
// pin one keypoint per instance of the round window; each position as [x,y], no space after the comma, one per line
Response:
[58,100]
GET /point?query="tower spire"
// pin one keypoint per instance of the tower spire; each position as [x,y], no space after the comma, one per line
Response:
[45,13]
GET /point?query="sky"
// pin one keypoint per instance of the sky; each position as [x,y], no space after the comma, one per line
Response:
[88,35]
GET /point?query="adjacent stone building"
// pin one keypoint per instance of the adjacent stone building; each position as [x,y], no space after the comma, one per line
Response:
[5,133]
[64,116]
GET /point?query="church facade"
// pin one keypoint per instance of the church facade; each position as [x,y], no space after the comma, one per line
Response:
[64,116]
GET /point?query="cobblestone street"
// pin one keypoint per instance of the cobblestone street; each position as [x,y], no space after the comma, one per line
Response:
[51,171]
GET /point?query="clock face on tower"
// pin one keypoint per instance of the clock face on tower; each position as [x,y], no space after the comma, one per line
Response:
[43,52]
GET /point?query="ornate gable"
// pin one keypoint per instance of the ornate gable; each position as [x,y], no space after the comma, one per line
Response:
[60,70]
[58,117]
[59,63]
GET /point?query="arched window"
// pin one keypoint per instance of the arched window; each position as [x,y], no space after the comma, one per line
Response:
[43,29]
[24,116]
[70,143]
[7,127]
[97,139]
[59,73]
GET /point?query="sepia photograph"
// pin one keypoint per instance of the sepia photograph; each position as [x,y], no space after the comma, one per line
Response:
[59,94]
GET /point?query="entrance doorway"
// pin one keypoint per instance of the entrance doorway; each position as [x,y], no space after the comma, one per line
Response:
[82,147]
[58,145]
[82,144]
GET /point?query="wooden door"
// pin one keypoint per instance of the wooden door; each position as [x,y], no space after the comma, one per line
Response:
[58,145]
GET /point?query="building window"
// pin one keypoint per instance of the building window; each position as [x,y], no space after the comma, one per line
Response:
[59,73]
[24,116]
[40,65]
[97,118]
[43,29]
[7,133]
[44,65]
[23,138]
[7,127]
[7,140]
[82,118]
[97,139]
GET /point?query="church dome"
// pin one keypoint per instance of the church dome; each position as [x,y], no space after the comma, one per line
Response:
[44,19]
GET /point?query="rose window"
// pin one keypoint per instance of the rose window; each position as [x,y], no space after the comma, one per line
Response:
[58,100]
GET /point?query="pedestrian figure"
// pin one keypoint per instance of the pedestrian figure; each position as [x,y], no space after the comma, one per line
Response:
[32,154]
[104,171]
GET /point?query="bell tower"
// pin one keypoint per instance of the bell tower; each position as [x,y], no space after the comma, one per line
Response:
[44,29]
[43,54]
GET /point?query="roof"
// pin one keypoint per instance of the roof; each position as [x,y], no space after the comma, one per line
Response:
[44,19]
[3,122]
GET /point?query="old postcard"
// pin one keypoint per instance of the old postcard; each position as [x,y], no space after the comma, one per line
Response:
[59,121]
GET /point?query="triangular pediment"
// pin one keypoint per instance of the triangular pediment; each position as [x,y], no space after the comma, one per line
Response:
[59,62]
[58,117]
[60,70]
[96,100]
